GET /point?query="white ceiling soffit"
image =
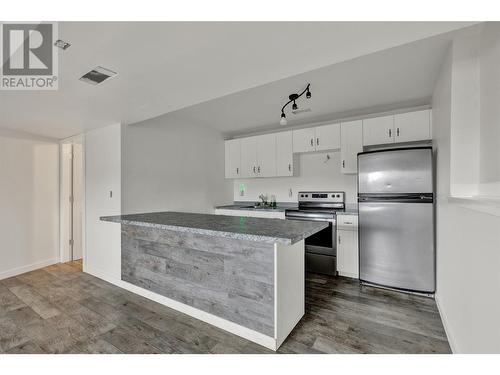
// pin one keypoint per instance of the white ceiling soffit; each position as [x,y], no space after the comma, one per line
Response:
[165,66]
[399,77]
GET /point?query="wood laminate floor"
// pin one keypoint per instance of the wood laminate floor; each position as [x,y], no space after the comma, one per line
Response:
[60,309]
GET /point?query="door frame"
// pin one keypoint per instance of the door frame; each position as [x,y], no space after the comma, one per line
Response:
[65,256]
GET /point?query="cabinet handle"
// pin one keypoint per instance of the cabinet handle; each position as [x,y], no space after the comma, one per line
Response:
[348,222]
[290,167]
[340,241]
[390,133]
[258,169]
[343,163]
[317,141]
[254,169]
[312,142]
[237,170]
[397,132]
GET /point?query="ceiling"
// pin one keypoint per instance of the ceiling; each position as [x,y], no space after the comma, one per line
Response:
[166,66]
[399,77]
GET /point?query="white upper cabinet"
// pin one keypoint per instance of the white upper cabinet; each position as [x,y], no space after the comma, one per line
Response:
[249,157]
[320,138]
[232,158]
[284,154]
[351,135]
[304,140]
[412,126]
[378,130]
[266,155]
[272,155]
[327,137]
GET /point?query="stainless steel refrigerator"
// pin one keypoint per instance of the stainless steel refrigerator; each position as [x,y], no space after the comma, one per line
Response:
[396,218]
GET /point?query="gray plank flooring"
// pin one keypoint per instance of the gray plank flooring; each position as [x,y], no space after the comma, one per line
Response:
[60,309]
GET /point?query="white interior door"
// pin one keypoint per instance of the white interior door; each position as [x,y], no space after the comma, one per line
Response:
[65,201]
[78,201]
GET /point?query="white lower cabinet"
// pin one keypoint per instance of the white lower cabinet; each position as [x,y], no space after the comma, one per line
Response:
[347,246]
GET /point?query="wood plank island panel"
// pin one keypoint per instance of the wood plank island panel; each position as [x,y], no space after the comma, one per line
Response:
[230,278]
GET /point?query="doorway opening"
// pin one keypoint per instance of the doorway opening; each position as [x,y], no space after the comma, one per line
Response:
[72,193]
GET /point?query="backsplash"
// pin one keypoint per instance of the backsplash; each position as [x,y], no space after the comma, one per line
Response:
[315,172]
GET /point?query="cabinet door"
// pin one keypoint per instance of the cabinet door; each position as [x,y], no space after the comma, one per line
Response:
[378,130]
[232,158]
[327,137]
[304,140]
[249,157]
[266,155]
[284,154]
[413,126]
[351,138]
[347,253]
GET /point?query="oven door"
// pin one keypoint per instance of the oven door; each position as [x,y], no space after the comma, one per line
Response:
[323,242]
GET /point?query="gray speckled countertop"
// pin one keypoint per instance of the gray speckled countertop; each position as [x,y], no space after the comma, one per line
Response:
[285,232]
[249,206]
[350,208]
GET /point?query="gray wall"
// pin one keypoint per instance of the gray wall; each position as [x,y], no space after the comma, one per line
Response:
[170,164]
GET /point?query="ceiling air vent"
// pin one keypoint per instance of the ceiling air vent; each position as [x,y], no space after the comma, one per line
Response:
[97,75]
[299,111]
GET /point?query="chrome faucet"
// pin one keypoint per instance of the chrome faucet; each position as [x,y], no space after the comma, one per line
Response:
[263,198]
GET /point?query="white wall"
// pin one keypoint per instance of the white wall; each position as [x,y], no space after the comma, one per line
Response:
[29,203]
[170,164]
[314,174]
[103,175]
[489,173]
[468,241]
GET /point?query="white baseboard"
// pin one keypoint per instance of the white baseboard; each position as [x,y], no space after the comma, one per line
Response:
[444,319]
[226,325]
[30,267]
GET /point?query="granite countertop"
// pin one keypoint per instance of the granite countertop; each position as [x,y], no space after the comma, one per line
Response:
[286,232]
[249,206]
[350,208]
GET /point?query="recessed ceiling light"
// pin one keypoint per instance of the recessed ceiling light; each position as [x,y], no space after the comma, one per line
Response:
[97,75]
[62,44]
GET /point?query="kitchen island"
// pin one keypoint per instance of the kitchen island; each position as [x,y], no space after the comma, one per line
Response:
[241,274]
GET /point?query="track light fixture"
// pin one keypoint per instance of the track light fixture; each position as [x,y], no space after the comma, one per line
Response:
[293,98]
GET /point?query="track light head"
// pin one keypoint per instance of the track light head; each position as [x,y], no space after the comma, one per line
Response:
[308,94]
[283,120]
[294,106]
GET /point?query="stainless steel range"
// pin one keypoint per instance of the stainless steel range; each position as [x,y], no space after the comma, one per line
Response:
[321,248]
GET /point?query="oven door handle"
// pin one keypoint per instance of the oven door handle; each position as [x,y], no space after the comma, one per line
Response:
[308,218]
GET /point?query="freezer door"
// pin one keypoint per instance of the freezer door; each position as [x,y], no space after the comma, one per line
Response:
[396,245]
[396,171]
